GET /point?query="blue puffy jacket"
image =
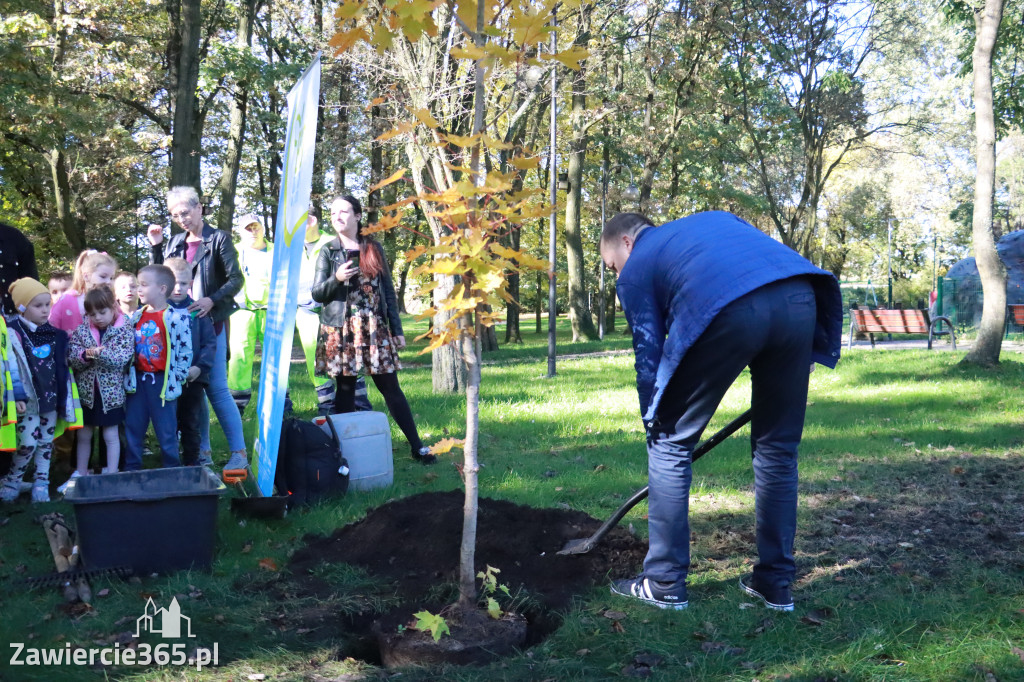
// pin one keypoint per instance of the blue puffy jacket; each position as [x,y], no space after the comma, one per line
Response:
[681,274]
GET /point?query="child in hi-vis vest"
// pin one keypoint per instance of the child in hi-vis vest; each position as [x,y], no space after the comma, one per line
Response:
[45,395]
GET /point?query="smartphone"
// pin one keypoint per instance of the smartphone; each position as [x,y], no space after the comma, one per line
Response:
[354,259]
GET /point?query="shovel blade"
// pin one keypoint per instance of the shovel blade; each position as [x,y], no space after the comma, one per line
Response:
[578,546]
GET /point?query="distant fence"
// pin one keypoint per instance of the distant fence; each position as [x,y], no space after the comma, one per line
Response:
[962,302]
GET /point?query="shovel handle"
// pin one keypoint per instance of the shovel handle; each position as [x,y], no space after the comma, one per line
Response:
[701,450]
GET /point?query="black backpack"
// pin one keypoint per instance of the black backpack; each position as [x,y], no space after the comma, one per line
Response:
[310,466]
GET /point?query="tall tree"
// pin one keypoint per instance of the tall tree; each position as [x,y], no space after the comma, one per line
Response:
[985,351]
[236,114]
[581,120]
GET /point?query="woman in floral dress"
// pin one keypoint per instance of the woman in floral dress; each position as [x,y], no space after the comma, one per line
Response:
[360,330]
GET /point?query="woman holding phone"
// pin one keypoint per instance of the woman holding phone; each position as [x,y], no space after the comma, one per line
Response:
[360,330]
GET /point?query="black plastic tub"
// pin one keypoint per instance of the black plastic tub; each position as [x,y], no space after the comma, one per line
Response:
[155,521]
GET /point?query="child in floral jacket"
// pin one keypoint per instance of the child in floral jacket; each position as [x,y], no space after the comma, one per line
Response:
[99,352]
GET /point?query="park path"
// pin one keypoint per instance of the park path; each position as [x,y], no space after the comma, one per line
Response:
[858,346]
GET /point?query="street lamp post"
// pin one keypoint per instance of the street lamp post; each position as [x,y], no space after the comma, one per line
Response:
[630,194]
[553,188]
[890,263]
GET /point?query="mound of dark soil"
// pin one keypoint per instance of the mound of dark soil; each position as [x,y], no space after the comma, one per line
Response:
[411,546]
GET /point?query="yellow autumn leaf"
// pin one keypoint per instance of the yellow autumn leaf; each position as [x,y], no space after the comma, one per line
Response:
[527,261]
[350,9]
[445,266]
[571,57]
[400,129]
[524,162]
[461,140]
[394,177]
[495,143]
[415,252]
[445,445]
[344,40]
[424,117]
[468,52]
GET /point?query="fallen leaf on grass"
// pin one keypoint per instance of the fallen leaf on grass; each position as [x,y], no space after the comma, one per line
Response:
[268,564]
[762,627]
[1018,652]
[247,547]
[582,652]
[650,660]
[817,616]
[617,627]
[599,467]
[957,470]
[104,592]
[614,615]
[640,671]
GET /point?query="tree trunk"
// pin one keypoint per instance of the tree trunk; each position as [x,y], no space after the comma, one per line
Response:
[990,267]
[69,225]
[580,319]
[236,125]
[319,185]
[185,152]
[403,276]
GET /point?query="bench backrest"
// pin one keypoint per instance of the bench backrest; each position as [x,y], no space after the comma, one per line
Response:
[1018,312]
[891,321]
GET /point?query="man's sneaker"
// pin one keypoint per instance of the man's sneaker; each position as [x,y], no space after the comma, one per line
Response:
[778,599]
[423,455]
[662,595]
[205,458]
[63,488]
[26,486]
[40,492]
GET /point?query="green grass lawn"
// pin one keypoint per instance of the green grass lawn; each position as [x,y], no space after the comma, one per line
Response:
[910,549]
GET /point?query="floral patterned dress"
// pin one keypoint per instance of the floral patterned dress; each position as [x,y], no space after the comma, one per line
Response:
[364,345]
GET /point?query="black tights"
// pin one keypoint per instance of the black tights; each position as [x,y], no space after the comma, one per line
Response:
[398,406]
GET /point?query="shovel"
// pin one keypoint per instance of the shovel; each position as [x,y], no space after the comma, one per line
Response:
[256,505]
[584,545]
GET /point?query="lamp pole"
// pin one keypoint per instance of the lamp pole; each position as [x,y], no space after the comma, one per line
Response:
[890,263]
[631,193]
[553,222]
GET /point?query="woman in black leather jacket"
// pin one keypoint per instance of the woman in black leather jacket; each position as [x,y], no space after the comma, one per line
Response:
[217,277]
[360,330]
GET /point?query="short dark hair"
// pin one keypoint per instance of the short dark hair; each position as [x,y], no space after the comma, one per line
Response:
[60,275]
[99,298]
[163,274]
[623,223]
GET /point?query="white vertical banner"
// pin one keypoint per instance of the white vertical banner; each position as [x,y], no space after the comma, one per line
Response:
[292,211]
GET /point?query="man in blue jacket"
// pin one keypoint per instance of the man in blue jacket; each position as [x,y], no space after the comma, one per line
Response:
[707,296]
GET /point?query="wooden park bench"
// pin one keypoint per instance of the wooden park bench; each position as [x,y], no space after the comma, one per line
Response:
[1016,315]
[913,321]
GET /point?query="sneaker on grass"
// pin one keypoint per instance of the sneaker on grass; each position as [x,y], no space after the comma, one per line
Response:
[205,458]
[662,595]
[40,493]
[63,488]
[778,599]
[237,460]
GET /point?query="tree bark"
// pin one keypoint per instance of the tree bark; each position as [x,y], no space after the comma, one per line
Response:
[70,225]
[990,266]
[185,152]
[580,319]
[236,124]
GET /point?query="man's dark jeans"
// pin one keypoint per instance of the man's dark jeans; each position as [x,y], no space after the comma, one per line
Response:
[770,330]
